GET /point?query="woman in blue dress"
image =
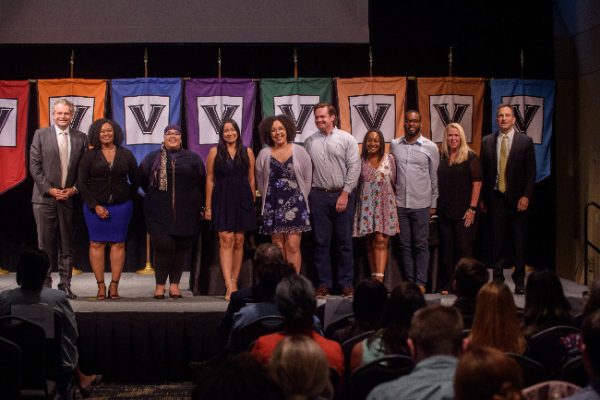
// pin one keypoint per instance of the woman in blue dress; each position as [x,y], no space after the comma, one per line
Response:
[230,193]
[107,180]
[283,176]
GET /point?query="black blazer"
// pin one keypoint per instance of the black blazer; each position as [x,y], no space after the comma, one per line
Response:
[520,167]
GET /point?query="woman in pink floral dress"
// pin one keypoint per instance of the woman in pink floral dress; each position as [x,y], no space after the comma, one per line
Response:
[376,216]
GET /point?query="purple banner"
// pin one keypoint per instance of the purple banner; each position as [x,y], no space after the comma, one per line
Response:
[210,101]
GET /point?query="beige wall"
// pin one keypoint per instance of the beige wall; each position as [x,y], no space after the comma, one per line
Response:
[577,132]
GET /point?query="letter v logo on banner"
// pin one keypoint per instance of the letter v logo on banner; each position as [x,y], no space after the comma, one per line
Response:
[78,117]
[143,114]
[300,122]
[462,113]
[529,115]
[212,111]
[372,112]
[301,106]
[215,120]
[8,123]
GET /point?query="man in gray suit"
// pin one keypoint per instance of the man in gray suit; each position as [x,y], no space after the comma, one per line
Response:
[53,162]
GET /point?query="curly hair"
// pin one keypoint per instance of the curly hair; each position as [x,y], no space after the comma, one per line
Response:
[264,129]
[94,132]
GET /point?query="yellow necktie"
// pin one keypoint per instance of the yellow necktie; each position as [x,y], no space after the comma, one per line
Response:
[502,166]
[64,157]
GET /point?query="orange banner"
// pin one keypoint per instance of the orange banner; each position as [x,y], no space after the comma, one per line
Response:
[367,103]
[88,96]
[446,100]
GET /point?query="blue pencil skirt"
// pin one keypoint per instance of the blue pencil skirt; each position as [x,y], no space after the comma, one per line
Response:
[114,228]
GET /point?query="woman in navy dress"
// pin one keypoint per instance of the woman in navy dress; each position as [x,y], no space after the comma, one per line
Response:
[230,193]
[284,177]
[107,181]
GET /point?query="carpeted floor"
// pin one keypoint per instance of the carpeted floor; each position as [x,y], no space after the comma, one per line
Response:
[169,391]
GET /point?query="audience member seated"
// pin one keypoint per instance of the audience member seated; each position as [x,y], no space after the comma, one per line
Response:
[392,330]
[32,268]
[590,349]
[545,303]
[369,297]
[271,275]
[235,377]
[296,300]
[300,368]
[486,373]
[435,341]
[593,299]
[469,276]
[266,253]
[496,323]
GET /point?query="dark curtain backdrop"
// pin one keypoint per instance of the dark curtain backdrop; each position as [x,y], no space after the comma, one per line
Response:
[408,38]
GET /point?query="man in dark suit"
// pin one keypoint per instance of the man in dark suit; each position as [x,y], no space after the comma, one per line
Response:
[53,161]
[508,161]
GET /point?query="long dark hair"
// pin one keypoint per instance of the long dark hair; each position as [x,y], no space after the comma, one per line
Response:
[241,154]
[397,314]
[365,153]
[545,303]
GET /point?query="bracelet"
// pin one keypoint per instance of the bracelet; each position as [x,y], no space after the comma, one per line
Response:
[207,209]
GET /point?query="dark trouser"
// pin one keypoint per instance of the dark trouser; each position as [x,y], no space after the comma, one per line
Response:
[329,224]
[55,223]
[414,243]
[171,253]
[506,219]
[456,241]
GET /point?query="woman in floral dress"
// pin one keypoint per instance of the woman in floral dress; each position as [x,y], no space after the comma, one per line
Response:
[376,216]
[283,177]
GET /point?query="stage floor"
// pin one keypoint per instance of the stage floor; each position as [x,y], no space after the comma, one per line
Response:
[136,295]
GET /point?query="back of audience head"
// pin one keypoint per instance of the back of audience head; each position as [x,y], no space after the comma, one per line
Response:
[235,377]
[495,322]
[590,333]
[369,299]
[397,315]
[545,302]
[469,276]
[435,330]
[32,269]
[296,301]
[266,253]
[271,275]
[300,368]
[486,373]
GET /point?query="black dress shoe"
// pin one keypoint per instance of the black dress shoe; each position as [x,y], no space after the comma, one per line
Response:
[67,290]
[519,289]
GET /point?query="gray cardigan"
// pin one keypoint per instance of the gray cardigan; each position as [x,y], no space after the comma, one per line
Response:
[302,169]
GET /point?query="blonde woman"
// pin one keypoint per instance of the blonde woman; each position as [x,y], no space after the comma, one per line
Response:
[300,368]
[459,183]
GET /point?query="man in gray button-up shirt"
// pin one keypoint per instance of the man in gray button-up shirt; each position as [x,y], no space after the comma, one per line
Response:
[336,169]
[417,160]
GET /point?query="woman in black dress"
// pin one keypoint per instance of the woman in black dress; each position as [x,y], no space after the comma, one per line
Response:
[230,193]
[173,179]
[459,182]
[107,181]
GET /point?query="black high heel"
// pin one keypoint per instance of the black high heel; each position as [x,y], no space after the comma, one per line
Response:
[115,295]
[101,293]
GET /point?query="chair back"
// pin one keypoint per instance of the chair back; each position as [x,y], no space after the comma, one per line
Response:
[338,324]
[257,328]
[348,345]
[548,347]
[574,372]
[533,372]
[11,368]
[31,338]
[378,371]
[550,390]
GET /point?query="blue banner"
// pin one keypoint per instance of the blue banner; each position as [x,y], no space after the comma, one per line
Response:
[533,104]
[144,107]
